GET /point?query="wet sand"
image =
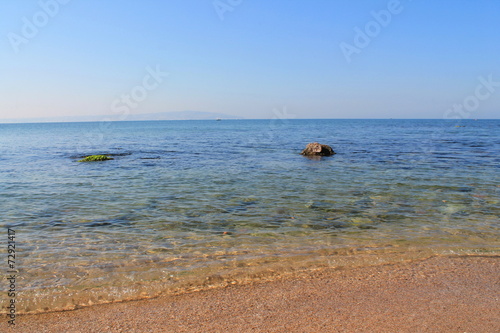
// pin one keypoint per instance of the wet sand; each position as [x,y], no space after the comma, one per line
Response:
[440,294]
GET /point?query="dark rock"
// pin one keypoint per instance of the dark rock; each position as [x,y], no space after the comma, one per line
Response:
[317,149]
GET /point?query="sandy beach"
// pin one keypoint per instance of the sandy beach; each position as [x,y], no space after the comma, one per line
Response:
[439,294]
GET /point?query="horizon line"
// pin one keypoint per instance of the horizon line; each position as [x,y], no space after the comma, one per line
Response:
[15,121]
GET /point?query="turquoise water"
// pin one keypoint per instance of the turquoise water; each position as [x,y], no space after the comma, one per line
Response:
[193,204]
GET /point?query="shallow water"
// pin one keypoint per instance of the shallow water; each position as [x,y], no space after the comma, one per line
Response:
[186,205]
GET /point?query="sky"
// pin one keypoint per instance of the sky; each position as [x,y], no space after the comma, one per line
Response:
[251,58]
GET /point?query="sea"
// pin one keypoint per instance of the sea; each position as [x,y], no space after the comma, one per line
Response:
[193,205]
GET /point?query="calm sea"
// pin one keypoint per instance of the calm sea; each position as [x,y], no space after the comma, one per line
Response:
[187,205]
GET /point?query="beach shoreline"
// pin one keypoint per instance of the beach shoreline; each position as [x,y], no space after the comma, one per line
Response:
[438,294]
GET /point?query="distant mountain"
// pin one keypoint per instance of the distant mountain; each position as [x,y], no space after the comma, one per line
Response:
[182,115]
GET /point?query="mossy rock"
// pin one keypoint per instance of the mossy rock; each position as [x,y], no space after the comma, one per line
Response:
[95,158]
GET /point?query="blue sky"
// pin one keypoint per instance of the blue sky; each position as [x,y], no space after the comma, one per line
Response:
[251,58]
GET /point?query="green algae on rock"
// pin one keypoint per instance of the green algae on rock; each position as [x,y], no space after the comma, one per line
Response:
[95,158]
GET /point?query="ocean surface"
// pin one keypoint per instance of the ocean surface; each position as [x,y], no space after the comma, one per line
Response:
[188,205]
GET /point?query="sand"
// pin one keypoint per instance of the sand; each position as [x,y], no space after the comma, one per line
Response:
[439,294]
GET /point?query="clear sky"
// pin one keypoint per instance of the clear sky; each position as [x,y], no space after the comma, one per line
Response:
[251,58]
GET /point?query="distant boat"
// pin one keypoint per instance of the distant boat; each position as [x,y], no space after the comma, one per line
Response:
[218,119]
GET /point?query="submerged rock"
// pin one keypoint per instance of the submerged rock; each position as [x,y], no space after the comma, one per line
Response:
[95,158]
[317,149]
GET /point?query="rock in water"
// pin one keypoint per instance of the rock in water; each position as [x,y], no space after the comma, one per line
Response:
[317,149]
[95,158]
